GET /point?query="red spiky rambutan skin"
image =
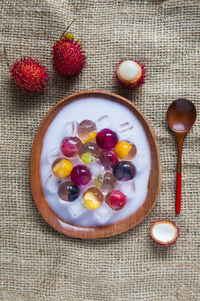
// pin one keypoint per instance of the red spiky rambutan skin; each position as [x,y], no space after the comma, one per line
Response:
[29,74]
[68,57]
[132,85]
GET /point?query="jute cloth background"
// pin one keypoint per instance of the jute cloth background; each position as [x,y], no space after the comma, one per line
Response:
[37,263]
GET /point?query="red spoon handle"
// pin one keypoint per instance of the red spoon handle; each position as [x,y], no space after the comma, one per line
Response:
[178,193]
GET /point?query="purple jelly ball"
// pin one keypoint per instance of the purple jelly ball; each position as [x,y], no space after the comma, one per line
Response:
[80,175]
[106,139]
[108,159]
[124,171]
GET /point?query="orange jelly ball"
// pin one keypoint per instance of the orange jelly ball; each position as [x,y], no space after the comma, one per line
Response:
[125,150]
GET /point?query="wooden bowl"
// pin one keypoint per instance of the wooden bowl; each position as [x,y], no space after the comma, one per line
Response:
[99,231]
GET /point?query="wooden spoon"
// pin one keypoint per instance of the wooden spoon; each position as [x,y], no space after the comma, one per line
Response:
[181,116]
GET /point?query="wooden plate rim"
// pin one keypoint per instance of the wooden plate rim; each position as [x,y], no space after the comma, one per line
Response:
[101,231]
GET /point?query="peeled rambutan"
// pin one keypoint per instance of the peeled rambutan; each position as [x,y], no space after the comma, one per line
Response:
[29,74]
[130,74]
[68,56]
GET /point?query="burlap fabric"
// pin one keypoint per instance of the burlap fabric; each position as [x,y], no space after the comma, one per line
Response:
[37,263]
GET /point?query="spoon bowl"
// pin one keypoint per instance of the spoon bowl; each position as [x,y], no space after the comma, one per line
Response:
[181,116]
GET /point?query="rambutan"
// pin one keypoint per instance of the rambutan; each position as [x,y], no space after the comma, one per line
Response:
[29,74]
[68,56]
[164,232]
[130,74]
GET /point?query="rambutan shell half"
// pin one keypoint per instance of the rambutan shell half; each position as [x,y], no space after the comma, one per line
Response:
[164,232]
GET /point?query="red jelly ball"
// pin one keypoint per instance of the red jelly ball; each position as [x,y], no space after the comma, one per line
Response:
[108,159]
[116,199]
[106,139]
[80,175]
[70,146]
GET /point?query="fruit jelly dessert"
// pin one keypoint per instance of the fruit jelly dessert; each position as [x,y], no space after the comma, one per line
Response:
[125,150]
[89,152]
[124,171]
[87,130]
[106,139]
[81,175]
[68,191]
[116,199]
[105,182]
[62,168]
[70,146]
[108,159]
[92,198]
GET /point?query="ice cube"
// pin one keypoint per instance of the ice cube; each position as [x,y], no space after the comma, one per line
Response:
[103,214]
[140,163]
[76,208]
[96,169]
[52,184]
[125,129]
[128,188]
[103,122]
[70,128]
[53,154]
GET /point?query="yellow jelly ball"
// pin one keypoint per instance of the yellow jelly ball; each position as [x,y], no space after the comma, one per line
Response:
[87,158]
[92,198]
[91,136]
[62,168]
[91,204]
[122,149]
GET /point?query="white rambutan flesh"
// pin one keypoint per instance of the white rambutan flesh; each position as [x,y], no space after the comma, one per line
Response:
[130,74]
[129,71]
[164,232]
